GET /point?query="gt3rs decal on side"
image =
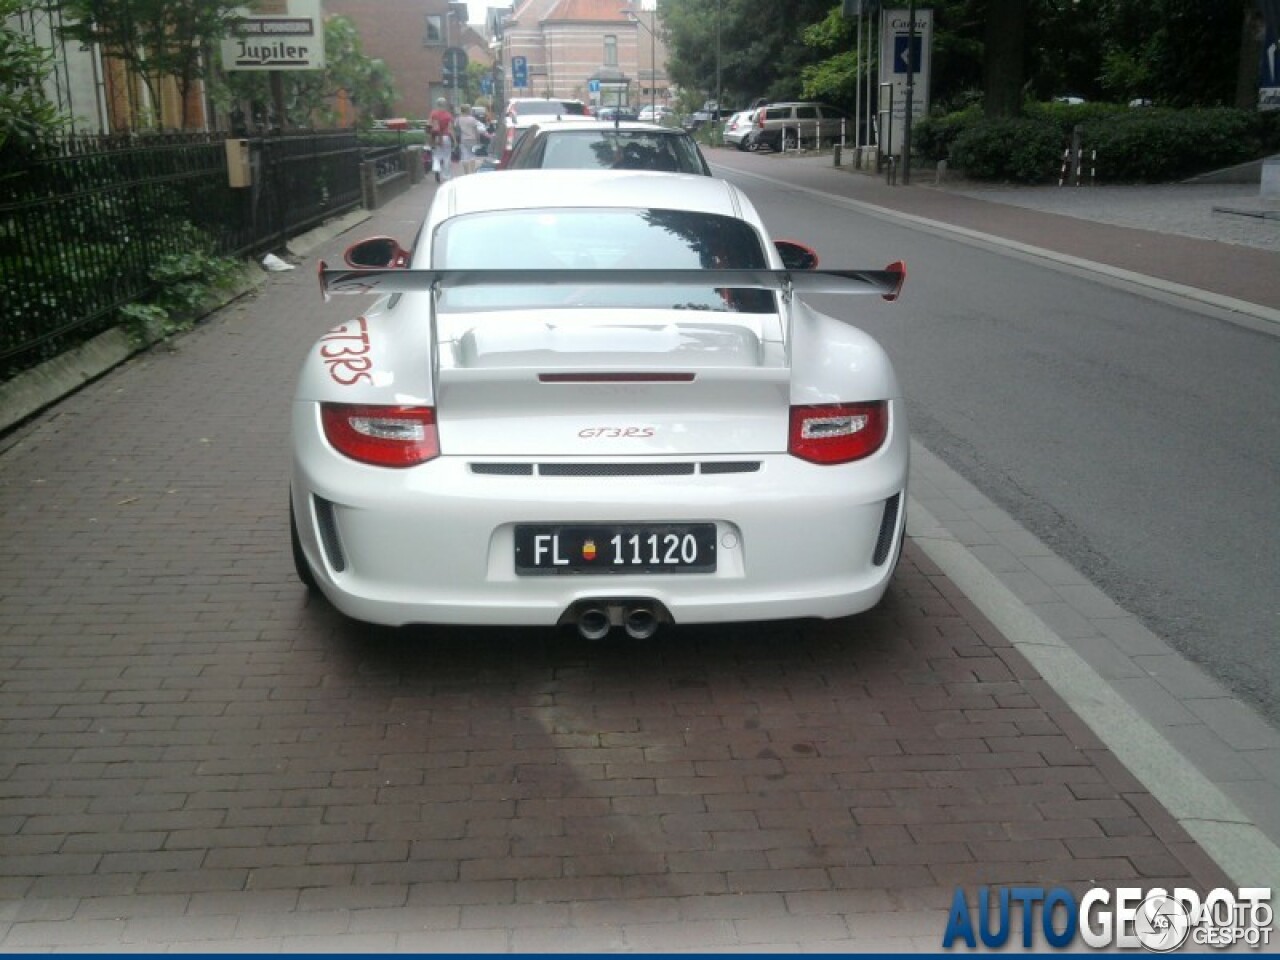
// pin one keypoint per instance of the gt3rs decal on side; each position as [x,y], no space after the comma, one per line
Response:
[345,353]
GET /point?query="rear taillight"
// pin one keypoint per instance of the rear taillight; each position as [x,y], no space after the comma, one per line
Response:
[838,432]
[385,436]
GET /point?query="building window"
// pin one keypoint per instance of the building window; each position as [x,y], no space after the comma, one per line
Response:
[610,50]
[434,35]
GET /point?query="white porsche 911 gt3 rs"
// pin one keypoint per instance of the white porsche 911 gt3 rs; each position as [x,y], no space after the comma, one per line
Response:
[596,398]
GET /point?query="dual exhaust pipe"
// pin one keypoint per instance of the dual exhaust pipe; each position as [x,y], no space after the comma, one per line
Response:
[639,618]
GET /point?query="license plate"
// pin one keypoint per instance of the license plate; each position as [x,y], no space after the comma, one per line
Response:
[616,548]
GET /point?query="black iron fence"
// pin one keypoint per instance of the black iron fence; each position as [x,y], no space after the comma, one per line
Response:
[83,225]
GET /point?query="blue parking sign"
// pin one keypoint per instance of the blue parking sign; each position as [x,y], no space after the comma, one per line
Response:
[519,71]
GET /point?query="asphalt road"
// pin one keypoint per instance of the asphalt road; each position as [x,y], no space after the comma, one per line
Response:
[1139,439]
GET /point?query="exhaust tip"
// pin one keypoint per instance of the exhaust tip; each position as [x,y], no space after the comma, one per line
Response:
[594,623]
[640,623]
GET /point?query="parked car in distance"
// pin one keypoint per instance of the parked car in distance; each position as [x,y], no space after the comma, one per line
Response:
[792,125]
[586,144]
[650,113]
[597,399]
[617,113]
[522,112]
[738,127]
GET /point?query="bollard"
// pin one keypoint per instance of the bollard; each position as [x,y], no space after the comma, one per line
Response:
[835,155]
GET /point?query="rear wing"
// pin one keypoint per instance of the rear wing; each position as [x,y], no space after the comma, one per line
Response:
[887,282]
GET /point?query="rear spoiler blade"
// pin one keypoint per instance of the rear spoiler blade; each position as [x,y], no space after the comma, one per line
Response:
[887,282]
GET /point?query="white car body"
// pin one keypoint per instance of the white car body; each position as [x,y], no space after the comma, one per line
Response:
[738,127]
[617,417]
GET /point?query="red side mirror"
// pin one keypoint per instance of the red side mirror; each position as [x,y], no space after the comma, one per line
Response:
[900,268]
[377,253]
[796,256]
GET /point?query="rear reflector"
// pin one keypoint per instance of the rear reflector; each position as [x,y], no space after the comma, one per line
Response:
[838,432]
[384,436]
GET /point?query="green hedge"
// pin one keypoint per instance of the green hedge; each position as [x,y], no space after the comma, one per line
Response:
[1137,145]
[1022,149]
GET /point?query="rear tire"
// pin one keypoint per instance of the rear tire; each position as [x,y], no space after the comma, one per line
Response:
[790,140]
[300,565]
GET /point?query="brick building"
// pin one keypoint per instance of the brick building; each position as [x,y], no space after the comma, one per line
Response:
[569,43]
[413,37]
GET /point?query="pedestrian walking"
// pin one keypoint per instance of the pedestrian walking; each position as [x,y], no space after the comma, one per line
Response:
[470,135]
[442,134]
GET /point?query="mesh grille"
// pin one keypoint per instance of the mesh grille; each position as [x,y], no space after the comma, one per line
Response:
[734,466]
[615,469]
[888,523]
[328,529]
[503,469]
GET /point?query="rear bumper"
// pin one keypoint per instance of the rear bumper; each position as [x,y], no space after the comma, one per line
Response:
[435,544]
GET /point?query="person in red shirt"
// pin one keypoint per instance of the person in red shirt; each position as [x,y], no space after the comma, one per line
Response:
[442,134]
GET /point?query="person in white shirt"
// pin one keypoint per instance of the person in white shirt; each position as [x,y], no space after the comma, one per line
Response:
[470,133]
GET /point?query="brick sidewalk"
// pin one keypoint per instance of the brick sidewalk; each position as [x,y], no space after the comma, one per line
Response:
[197,757]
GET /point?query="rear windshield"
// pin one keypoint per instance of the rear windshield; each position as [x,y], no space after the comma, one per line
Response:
[585,239]
[616,149]
[539,108]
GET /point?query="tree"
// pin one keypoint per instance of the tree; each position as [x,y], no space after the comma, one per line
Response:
[1178,52]
[762,50]
[1005,69]
[158,39]
[26,115]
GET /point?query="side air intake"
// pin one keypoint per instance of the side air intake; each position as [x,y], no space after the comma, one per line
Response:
[327,526]
[888,524]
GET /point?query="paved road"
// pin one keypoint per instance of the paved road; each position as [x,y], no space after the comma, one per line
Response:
[197,756]
[1113,425]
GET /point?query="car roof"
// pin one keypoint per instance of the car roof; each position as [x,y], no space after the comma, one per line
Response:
[626,189]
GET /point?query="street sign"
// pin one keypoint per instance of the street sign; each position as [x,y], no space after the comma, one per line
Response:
[903,52]
[900,50]
[593,86]
[290,38]
[455,64]
[519,71]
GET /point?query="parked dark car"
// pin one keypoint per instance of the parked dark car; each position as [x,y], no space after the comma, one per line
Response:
[587,144]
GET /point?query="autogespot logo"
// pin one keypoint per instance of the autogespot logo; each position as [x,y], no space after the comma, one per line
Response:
[1128,918]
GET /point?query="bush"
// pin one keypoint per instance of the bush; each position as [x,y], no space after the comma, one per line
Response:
[1159,145]
[1133,145]
[932,137]
[1021,149]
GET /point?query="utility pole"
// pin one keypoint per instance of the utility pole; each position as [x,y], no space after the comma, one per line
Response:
[911,93]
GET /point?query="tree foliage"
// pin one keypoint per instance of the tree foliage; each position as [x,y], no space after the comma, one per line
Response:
[26,115]
[158,39]
[762,49]
[1176,52]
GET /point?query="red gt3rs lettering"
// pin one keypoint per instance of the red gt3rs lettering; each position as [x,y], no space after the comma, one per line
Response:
[615,433]
[344,353]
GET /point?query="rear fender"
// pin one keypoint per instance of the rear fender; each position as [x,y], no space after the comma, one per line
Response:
[834,362]
[383,356]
